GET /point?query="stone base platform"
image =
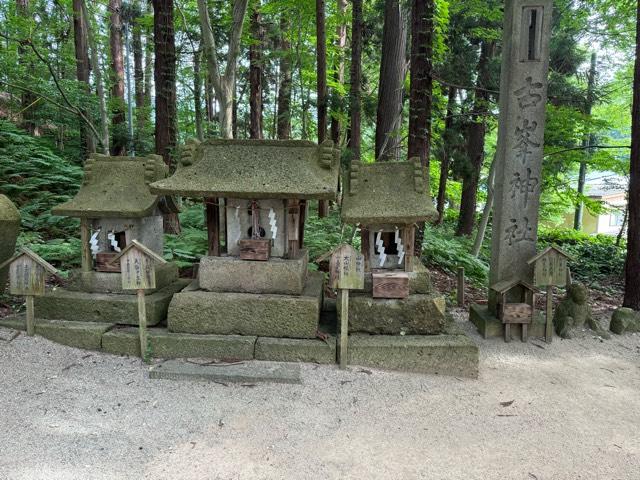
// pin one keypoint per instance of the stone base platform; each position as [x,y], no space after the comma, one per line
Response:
[452,353]
[414,315]
[111,282]
[489,326]
[267,315]
[105,307]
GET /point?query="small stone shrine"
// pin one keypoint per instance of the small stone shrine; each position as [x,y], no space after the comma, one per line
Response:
[254,280]
[115,207]
[9,231]
[387,199]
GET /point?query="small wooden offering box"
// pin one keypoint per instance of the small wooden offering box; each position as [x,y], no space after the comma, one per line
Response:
[517,313]
[103,262]
[255,249]
[390,285]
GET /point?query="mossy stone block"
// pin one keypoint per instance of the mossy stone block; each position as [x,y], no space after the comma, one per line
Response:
[625,320]
[414,315]
[296,350]
[165,344]
[277,276]
[111,282]
[122,341]
[105,307]
[9,231]
[454,355]
[266,315]
[489,326]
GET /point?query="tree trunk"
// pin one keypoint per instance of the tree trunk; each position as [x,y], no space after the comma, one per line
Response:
[390,86]
[83,69]
[255,74]
[420,99]
[97,72]
[446,154]
[197,94]
[118,117]
[476,131]
[587,141]
[164,74]
[27,99]
[355,136]
[337,101]
[632,267]
[420,91]
[321,63]
[284,92]
[138,75]
[486,212]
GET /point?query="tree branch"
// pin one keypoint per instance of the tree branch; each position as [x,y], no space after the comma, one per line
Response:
[239,11]
[209,44]
[587,148]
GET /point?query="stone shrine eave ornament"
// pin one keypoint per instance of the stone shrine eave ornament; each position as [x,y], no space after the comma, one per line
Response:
[255,169]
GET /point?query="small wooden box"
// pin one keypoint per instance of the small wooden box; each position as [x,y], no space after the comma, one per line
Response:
[390,285]
[517,313]
[255,250]
[103,265]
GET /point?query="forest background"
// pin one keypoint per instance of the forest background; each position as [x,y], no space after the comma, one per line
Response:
[384,79]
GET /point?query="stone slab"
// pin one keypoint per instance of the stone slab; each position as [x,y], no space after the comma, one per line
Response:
[419,281]
[296,350]
[126,341]
[415,315]
[250,372]
[263,315]
[625,320]
[453,355]
[105,307]
[489,326]
[86,335]
[277,276]
[111,282]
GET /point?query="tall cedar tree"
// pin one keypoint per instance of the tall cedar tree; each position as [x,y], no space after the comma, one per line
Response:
[284,91]
[138,72]
[420,91]
[81,45]
[445,163]
[390,87]
[321,49]
[632,267]
[341,41]
[118,117]
[476,132]
[255,74]
[355,137]
[27,99]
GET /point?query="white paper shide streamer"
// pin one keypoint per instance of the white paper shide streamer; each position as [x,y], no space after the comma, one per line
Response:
[93,243]
[400,247]
[112,240]
[380,248]
[272,223]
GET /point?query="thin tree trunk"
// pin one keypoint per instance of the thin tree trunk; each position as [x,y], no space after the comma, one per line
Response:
[587,141]
[355,136]
[255,74]
[118,117]
[97,72]
[130,87]
[623,227]
[148,76]
[321,64]
[138,75]
[27,99]
[632,267]
[446,155]
[337,101]
[83,68]
[486,212]
[197,94]
[284,92]
[390,88]
[475,144]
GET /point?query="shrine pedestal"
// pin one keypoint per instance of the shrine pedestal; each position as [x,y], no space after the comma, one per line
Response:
[489,326]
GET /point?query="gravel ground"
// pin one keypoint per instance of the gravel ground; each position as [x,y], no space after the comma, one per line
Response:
[569,410]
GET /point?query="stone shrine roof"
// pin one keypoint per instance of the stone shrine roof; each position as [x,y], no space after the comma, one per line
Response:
[116,187]
[387,193]
[255,169]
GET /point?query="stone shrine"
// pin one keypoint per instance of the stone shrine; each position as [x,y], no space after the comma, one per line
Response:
[115,207]
[254,281]
[523,98]
[9,229]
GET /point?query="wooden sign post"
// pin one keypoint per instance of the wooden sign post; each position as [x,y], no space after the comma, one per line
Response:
[346,273]
[27,273]
[137,266]
[550,270]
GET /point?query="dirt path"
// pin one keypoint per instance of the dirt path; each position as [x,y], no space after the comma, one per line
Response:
[71,414]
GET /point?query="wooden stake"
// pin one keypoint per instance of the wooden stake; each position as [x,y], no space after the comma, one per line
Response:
[31,326]
[461,286]
[212,216]
[344,326]
[549,327]
[142,326]
[85,235]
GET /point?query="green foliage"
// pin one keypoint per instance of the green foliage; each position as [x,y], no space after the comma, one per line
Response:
[36,179]
[322,235]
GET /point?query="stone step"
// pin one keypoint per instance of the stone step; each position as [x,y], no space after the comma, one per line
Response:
[246,372]
[267,315]
[105,307]
[296,350]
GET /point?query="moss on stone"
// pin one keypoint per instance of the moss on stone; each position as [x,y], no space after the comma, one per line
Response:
[9,231]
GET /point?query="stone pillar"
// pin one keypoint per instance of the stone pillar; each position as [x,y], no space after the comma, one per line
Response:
[523,97]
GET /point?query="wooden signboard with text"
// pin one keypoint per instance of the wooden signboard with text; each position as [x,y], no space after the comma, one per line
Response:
[346,269]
